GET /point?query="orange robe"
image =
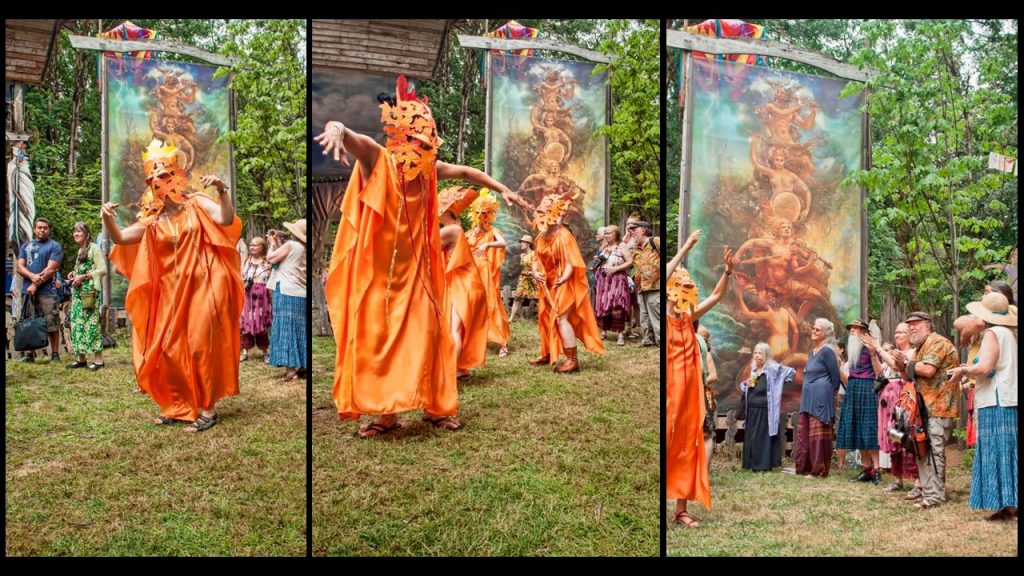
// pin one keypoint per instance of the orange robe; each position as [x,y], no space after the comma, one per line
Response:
[185,302]
[490,271]
[395,351]
[554,251]
[686,474]
[466,294]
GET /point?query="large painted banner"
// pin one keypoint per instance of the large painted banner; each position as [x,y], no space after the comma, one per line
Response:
[174,102]
[543,139]
[769,150]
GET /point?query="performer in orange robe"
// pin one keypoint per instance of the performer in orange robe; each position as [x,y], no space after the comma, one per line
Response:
[185,293]
[686,474]
[564,313]
[467,299]
[385,283]
[488,246]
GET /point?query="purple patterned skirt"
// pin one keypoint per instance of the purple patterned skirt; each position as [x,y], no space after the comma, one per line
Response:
[612,304]
[256,315]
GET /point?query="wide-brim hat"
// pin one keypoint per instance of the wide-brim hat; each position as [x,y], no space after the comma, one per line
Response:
[297,228]
[455,199]
[858,323]
[527,238]
[993,308]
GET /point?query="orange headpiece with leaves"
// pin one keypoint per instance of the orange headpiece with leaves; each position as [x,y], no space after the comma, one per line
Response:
[455,199]
[682,290]
[551,210]
[412,136]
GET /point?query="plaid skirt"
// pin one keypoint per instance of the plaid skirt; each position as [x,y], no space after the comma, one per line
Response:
[858,426]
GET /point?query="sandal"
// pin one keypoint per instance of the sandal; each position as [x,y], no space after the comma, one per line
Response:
[76,364]
[378,429]
[462,375]
[446,422]
[94,366]
[925,504]
[503,352]
[685,520]
[913,494]
[165,421]
[1000,515]
[203,423]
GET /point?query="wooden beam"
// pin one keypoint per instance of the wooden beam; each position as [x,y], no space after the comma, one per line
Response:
[114,45]
[707,44]
[467,41]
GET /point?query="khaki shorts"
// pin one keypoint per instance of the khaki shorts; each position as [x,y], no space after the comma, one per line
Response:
[48,307]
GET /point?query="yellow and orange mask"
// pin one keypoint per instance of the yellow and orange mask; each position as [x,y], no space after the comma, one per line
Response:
[550,211]
[682,290]
[484,210]
[164,177]
[411,133]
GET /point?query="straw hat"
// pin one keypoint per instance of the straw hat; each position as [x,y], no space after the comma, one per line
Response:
[993,308]
[527,238]
[297,228]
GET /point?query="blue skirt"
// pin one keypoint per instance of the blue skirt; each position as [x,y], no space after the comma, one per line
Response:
[994,476]
[288,331]
[858,424]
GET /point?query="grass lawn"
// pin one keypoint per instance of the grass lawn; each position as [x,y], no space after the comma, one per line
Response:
[776,514]
[546,464]
[88,474]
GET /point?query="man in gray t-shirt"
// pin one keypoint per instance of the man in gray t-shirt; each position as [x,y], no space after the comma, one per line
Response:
[38,261]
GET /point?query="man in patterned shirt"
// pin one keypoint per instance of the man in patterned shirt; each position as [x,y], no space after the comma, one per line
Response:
[647,264]
[935,355]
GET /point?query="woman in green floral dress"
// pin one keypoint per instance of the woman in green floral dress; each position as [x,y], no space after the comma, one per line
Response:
[85,300]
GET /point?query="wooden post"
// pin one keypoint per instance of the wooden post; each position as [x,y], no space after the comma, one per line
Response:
[684,150]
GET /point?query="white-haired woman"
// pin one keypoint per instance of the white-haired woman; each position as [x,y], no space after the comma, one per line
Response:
[817,402]
[762,400]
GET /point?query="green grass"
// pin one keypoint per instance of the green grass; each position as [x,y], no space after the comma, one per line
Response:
[776,514]
[547,465]
[88,474]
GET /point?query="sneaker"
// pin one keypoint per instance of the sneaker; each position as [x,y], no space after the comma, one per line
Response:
[893,486]
[55,357]
[622,340]
[876,478]
[28,359]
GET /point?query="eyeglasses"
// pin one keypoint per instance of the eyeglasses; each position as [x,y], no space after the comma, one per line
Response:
[815,329]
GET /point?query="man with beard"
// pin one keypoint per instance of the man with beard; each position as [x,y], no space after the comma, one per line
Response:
[858,428]
[935,355]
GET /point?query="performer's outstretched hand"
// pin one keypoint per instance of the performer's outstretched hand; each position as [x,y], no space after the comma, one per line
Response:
[333,141]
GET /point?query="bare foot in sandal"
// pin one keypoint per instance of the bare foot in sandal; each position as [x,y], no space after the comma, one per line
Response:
[203,423]
[685,520]
[380,427]
[446,422]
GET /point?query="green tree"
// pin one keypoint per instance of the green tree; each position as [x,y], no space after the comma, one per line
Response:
[270,136]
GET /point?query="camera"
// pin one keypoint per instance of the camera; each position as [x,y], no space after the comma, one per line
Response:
[598,262]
